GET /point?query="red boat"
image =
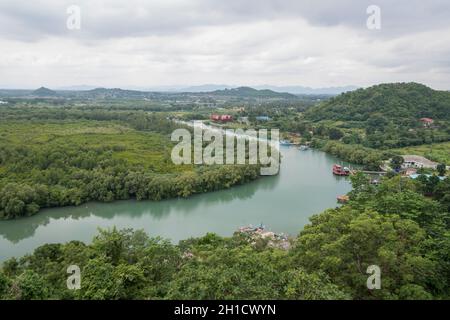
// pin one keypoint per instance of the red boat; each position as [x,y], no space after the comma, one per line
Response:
[340,171]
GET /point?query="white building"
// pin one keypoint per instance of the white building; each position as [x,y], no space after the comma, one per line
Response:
[413,161]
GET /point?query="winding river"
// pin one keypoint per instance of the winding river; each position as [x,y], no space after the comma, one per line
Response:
[283,203]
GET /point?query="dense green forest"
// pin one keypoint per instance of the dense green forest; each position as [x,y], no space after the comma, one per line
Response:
[250,92]
[396,101]
[56,157]
[384,116]
[392,225]
[369,158]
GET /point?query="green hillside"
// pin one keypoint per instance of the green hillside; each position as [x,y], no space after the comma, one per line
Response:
[396,101]
[43,92]
[250,92]
[386,116]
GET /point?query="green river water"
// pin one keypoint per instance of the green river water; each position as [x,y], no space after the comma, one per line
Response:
[283,203]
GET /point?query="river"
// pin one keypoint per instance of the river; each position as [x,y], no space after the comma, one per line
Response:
[283,203]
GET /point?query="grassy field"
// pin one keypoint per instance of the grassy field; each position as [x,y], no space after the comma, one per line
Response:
[439,152]
[147,149]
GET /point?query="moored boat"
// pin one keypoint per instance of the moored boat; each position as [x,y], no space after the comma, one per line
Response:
[338,170]
[303,147]
[343,199]
[285,143]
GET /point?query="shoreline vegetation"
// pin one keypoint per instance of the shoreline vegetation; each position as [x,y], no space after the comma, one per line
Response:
[73,158]
[369,158]
[398,229]
[57,152]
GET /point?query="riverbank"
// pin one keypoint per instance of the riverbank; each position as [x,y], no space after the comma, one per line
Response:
[47,164]
[285,202]
[254,263]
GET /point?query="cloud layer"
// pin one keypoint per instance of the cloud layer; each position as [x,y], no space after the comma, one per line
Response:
[180,42]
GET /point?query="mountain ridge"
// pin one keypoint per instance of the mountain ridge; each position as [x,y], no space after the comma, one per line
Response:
[44,92]
[391,100]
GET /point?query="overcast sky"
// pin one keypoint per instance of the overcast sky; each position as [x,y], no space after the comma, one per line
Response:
[137,43]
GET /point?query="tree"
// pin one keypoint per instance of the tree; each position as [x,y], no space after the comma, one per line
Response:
[4,284]
[129,280]
[442,169]
[414,292]
[29,286]
[361,186]
[99,281]
[377,122]
[396,162]
[220,273]
[442,193]
[428,185]
[112,244]
[304,286]
[335,134]
[342,243]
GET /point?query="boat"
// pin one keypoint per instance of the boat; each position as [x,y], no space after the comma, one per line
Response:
[285,143]
[303,147]
[338,170]
[343,199]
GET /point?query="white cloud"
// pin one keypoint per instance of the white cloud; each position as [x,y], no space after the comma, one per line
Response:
[179,42]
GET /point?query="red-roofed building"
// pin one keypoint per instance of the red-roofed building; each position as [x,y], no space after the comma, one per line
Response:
[427,121]
[222,118]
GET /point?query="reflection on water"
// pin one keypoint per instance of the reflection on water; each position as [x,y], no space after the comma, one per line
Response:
[284,203]
[20,229]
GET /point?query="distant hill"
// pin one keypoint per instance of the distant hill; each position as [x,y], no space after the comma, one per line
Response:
[44,92]
[114,93]
[109,93]
[309,91]
[242,92]
[251,92]
[86,92]
[384,116]
[14,92]
[300,90]
[396,101]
